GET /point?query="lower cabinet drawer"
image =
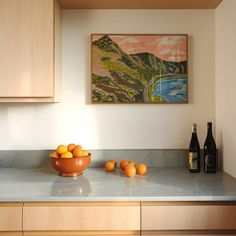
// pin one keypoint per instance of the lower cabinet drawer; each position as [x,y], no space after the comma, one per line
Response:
[81,216]
[189,234]
[10,217]
[11,234]
[197,216]
[80,233]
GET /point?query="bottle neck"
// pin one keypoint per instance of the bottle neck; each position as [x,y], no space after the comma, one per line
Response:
[209,129]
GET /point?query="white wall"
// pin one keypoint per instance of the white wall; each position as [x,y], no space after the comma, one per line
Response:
[226,83]
[43,126]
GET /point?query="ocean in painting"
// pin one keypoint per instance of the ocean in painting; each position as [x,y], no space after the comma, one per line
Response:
[173,90]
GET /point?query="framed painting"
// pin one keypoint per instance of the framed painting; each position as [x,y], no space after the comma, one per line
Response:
[139,68]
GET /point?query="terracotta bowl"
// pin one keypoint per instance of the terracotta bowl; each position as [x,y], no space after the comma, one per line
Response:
[70,167]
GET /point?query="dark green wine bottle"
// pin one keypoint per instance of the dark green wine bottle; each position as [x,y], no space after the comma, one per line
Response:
[194,155]
[210,152]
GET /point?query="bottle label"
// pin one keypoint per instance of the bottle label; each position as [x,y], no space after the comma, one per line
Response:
[192,161]
[209,161]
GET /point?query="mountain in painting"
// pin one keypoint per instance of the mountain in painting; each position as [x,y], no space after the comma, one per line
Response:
[121,77]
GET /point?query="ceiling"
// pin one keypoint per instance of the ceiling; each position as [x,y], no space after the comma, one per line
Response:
[139,4]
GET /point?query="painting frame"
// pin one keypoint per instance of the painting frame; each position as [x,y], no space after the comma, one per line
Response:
[164,77]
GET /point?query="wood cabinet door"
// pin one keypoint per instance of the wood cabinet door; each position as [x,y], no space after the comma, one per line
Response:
[10,217]
[11,233]
[26,48]
[82,233]
[188,234]
[81,216]
[188,216]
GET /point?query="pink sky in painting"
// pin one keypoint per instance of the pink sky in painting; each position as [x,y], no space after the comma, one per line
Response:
[166,47]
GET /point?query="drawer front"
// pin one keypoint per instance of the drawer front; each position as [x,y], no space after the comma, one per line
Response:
[10,217]
[82,233]
[11,234]
[81,217]
[188,234]
[188,217]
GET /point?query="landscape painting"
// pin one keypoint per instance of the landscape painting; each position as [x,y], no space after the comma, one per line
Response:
[134,68]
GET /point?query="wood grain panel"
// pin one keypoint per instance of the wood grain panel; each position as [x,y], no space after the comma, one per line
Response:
[57,52]
[85,217]
[37,204]
[26,48]
[84,233]
[189,233]
[11,234]
[140,4]
[190,217]
[10,217]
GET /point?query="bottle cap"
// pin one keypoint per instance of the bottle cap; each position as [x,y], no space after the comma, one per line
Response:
[209,124]
[194,127]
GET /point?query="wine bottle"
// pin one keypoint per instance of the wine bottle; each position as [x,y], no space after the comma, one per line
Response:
[210,153]
[194,156]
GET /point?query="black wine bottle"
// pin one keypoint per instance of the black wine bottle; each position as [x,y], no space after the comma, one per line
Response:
[194,156]
[210,152]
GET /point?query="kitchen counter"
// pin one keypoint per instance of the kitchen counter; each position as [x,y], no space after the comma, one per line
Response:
[160,184]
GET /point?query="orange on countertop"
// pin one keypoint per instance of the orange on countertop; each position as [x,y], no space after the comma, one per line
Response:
[115,162]
[61,149]
[123,164]
[131,163]
[130,171]
[141,169]
[109,166]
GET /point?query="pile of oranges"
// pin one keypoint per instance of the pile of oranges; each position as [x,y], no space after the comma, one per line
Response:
[69,151]
[129,167]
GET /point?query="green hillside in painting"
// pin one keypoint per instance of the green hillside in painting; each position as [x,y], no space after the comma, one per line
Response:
[121,77]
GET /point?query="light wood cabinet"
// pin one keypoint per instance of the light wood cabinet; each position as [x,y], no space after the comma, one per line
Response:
[194,234]
[11,233]
[10,217]
[140,4]
[188,216]
[84,233]
[118,219]
[30,51]
[82,216]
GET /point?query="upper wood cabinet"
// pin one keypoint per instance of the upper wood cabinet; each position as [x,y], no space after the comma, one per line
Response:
[140,4]
[30,50]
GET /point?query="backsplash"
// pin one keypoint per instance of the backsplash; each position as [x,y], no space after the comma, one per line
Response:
[152,157]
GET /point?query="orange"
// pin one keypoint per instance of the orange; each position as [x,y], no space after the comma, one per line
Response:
[67,155]
[77,152]
[115,162]
[84,153]
[54,155]
[61,149]
[130,171]
[123,164]
[79,146]
[109,166]
[71,147]
[131,163]
[141,169]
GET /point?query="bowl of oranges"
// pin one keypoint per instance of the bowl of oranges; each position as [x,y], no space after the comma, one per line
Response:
[70,160]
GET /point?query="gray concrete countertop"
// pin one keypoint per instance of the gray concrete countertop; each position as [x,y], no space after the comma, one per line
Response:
[160,184]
